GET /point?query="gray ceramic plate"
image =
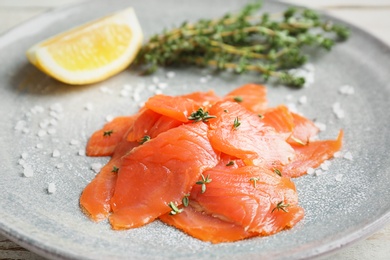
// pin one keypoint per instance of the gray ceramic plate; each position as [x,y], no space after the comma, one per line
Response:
[39,115]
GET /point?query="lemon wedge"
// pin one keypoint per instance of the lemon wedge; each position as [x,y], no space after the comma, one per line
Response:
[92,52]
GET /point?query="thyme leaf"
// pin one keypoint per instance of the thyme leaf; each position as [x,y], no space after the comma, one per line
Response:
[115,169]
[175,210]
[200,115]
[203,182]
[236,123]
[108,133]
[281,206]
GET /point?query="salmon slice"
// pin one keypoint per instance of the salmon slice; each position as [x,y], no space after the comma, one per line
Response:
[249,197]
[158,172]
[312,155]
[104,141]
[179,108]
[203,99]
[150,123]
[206,227]
[251,96]
[304,130]
[251,141]
[281,119]
[96,196]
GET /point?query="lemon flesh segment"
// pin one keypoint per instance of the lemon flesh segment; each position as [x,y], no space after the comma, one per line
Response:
[92,52]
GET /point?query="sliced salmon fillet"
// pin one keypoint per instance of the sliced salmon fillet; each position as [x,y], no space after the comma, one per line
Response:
[251,96]
[149,179]
[206,227]
[150,123]
[251,141]
[104,141]
[96,196]
[311,155]
[249,197]
[281,119]
[203,99]
[304,130]
[179,108]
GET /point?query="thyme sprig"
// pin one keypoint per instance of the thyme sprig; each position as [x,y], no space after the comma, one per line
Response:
[174,209]
[200,115]
[203,182]
[281,206]
[268,44]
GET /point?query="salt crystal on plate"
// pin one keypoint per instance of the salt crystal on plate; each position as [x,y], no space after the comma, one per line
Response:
[51,131]
[21,162]
[346,90]
[155,80]
[28,171]
[74,142]
[348,156]
[105,90]
[57,107]
[302,100]
[96,167]
[41,133]
[339,177]
[338,111]
[162,85]
[310,171]
[37,109]
[158,91]
[81,152]
[170,74]
[136,96]
[124,93]
[56,153]
[60,165]
[51,188]
[88,106]
[109,118]
[39,146]
[24,156]
[337,154]
[20,125]
[319,172]
[324,166]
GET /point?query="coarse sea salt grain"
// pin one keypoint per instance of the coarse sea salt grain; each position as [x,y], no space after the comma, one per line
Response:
[60,165]
[109,118]
[155,80]
[347,90]
[56,153]
[170,74]
[28,171]
[24,155]
[21,162]
[88,106]
[162,85]
[337,154]
[321,126]
[20,125]
[42,133]
[37,110]
[158,92]
[81,152]
[96,167]
[51,188]
[348,156]
[57,107]
[74,142]
[302,100]
[339,177]
[124,93]
[325,165]
[319,172]
[51,131]
[338,111]
[310,171]
[105,90]
[39,146]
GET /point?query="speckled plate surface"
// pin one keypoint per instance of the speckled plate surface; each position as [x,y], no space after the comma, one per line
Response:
[40,116]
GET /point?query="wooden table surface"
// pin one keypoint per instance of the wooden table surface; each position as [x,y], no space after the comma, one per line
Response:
[371,15]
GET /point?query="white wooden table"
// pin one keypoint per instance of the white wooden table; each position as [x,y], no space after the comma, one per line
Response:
[371,15]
